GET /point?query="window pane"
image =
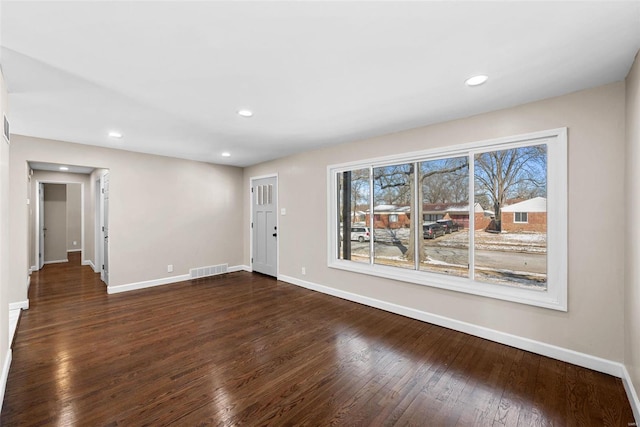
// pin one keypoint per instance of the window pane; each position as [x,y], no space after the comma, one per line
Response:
[354,233]
[511,217]
[444,186]
[392,195]
[520,217]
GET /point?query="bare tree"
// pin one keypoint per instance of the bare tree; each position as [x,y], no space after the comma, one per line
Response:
[395,185]
[359,190]
[391,184]
[445,181]
[505,174]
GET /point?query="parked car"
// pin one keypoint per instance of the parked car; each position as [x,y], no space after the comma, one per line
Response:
[432,230]
[449,225]
[361,234]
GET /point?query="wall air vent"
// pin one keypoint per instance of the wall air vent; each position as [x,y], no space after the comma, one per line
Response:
[212,270]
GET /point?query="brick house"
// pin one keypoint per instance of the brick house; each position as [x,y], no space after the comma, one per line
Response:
[390,216]
[529,215]
[459,212]
[393,216]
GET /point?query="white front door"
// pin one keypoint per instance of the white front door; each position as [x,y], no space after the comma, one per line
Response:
[41,226]
[265,225]
[105,215]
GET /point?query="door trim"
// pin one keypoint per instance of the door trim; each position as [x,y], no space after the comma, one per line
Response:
[251,179]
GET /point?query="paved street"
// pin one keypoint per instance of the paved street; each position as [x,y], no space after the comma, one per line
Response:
[502,260]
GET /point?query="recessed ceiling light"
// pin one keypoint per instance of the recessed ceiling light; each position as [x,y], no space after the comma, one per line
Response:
[64,168]
[226,154]
[245,113]
[114,134]
[476,80]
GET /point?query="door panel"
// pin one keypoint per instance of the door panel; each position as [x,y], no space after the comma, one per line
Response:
[41,226]
[98,227]
[105,207]
[265,232]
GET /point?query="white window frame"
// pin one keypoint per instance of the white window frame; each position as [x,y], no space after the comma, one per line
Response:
[515,221]
[554,297]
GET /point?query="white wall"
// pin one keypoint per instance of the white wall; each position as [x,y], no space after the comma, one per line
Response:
[74,217]
[632,227]
[594,323]
[5,352]
[162,211]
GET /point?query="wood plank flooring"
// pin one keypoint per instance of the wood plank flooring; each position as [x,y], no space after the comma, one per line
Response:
[244,349]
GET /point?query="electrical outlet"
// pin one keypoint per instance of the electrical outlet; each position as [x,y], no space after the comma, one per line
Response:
[304,271]
[170,268]
[75,243]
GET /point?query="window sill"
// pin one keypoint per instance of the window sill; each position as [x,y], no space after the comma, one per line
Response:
[532,297]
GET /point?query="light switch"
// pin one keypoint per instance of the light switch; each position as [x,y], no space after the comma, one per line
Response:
[283,211]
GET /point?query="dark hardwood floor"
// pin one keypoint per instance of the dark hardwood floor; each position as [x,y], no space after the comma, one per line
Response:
[244,349]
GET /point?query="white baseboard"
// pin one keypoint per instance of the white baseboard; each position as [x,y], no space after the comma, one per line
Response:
[566,355]
[19,305]
[90,264]
[146,284]
[239,268]
[74,250]
[5,376]
[14,317]
[631,394]
[163,281]
[57,261]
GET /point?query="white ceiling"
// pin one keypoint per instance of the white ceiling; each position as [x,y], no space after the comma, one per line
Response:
[171,75]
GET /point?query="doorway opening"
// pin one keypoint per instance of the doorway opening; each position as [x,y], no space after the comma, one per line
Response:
[60,223]
[66,215]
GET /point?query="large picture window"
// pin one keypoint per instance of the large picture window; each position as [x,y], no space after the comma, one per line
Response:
[487,218]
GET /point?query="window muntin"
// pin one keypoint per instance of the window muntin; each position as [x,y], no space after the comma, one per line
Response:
[555,294]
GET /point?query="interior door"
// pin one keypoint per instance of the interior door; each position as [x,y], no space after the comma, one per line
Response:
[265,225]
[42,229]
[105,215]
[98,228]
